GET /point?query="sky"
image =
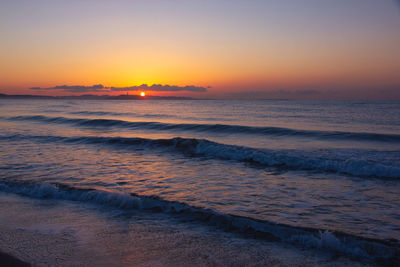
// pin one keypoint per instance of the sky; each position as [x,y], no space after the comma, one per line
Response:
[309,49]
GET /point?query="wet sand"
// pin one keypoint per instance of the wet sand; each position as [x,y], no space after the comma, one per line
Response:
[62,233]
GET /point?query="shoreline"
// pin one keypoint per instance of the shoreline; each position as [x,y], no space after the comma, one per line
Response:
[64,233]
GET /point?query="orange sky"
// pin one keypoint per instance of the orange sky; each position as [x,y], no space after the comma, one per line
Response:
[346,49]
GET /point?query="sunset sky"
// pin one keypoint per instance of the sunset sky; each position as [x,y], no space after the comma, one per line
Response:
[308,49]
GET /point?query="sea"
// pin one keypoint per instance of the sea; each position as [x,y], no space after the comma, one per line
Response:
[201,182]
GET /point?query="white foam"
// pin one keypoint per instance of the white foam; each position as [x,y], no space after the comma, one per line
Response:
[315,238]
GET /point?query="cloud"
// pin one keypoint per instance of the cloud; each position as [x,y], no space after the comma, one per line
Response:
[164,88]
[75,88]
[143,87]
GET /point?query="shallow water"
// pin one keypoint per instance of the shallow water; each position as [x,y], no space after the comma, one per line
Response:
[63,233]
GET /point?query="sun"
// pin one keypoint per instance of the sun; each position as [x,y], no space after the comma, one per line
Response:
[142,94]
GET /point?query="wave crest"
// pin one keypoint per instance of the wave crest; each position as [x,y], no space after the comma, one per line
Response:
[216,128]
[380,164]
[308,237]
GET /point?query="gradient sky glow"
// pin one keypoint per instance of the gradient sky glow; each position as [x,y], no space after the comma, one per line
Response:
[242,49]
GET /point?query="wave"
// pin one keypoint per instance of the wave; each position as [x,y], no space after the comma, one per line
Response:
[108,113]
[306,237]
[216,128]
[130,114]
[380,164]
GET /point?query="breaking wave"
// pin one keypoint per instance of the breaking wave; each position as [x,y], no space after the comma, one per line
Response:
[381,164]
[216,128]
[305,237]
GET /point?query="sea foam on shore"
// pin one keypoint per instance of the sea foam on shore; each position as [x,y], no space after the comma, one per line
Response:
[64,233]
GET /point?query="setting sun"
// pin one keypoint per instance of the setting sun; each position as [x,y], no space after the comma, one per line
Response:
[250,120]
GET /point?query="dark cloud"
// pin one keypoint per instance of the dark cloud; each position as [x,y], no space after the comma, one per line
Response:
[75,88]
[159,88]
[143,87]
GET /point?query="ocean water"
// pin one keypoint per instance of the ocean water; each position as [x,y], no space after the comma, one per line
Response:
[323,175]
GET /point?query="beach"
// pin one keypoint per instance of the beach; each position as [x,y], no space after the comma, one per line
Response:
[199,133]
[203,183]
[70,234]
